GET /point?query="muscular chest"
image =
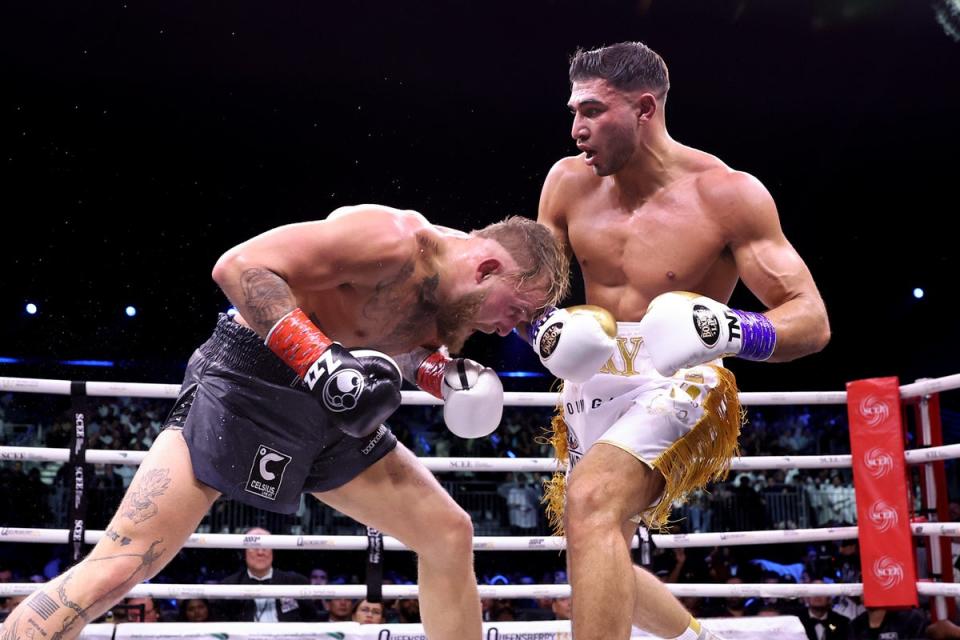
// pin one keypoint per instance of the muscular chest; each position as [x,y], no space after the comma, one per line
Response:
[630,256]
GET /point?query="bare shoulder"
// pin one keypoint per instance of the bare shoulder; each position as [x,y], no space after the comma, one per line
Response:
[569,180]
[571,173]
[394,220]
[736,198]
[387,233]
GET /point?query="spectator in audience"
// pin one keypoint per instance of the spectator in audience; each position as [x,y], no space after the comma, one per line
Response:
[195,610]
[523,504]
[339,610]
[502,611]
[885,624]
[141,610]
[821,622]
[366,612]
[561,608]
[319,576]
[408,610]
[259,569]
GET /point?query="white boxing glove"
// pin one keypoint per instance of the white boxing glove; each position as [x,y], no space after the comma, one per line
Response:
[682,329]
[472,393]
[574,343]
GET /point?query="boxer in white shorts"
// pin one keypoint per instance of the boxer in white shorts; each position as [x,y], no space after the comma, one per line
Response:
[647,217]
[685,426]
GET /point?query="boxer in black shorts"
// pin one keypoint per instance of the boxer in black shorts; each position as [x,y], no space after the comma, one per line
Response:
[291,394]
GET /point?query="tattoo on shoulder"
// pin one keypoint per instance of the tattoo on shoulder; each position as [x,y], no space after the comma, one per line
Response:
[138,504]
[267,295]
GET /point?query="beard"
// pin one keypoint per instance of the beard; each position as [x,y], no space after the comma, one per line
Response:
[453,320]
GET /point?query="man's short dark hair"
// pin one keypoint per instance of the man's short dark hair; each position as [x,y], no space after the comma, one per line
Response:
[627,66]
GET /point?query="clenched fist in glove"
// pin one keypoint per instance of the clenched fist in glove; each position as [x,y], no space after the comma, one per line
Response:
[682,329]
[573,343]
[359,388]
[472,394]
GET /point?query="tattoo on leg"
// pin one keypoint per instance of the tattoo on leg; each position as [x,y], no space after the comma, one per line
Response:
[42,604]
[34,629]
[138,505]
[147,558]
[8,631]
[116,537]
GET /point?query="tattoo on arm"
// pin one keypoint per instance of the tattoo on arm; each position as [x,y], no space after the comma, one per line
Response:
[267,296]
[138,504]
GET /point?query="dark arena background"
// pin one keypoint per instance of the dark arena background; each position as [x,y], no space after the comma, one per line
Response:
[142,140]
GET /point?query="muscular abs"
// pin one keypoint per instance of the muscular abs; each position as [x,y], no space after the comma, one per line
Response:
[628,257]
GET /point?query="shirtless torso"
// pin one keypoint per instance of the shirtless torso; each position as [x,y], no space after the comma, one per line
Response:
[378,285]
[677,239]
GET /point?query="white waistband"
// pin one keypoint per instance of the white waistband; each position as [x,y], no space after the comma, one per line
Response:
[628,330]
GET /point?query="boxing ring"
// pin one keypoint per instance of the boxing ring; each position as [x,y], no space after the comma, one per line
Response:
[922,396]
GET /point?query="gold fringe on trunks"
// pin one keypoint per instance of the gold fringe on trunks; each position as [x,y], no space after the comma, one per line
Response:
[701,456]
[555,488]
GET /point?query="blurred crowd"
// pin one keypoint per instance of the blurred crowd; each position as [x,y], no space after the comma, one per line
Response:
[37,495]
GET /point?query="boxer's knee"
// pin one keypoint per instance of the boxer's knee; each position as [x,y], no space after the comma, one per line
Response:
[448,534]
[590,508]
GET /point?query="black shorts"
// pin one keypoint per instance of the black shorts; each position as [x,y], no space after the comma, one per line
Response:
[254,431]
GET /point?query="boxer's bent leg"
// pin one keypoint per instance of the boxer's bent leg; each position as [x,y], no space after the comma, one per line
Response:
[160,510]
[607,488]
[400,497]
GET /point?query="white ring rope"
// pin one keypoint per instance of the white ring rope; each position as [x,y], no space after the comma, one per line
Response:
[247,591]
[501,465]
[525,399]
[929,386]
[485,543]
[510,398]
[938,589]
[282,541]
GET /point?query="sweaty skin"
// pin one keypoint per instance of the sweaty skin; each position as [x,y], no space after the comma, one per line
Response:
[693,224]
[367,276]
[644,215]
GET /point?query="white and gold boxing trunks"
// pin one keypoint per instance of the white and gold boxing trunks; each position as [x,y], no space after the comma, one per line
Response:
[685,426]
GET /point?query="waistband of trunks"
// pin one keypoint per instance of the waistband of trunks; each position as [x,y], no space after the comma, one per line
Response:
[629,330]
[240,349]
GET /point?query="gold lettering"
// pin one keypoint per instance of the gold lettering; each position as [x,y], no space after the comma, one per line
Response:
[628,349]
